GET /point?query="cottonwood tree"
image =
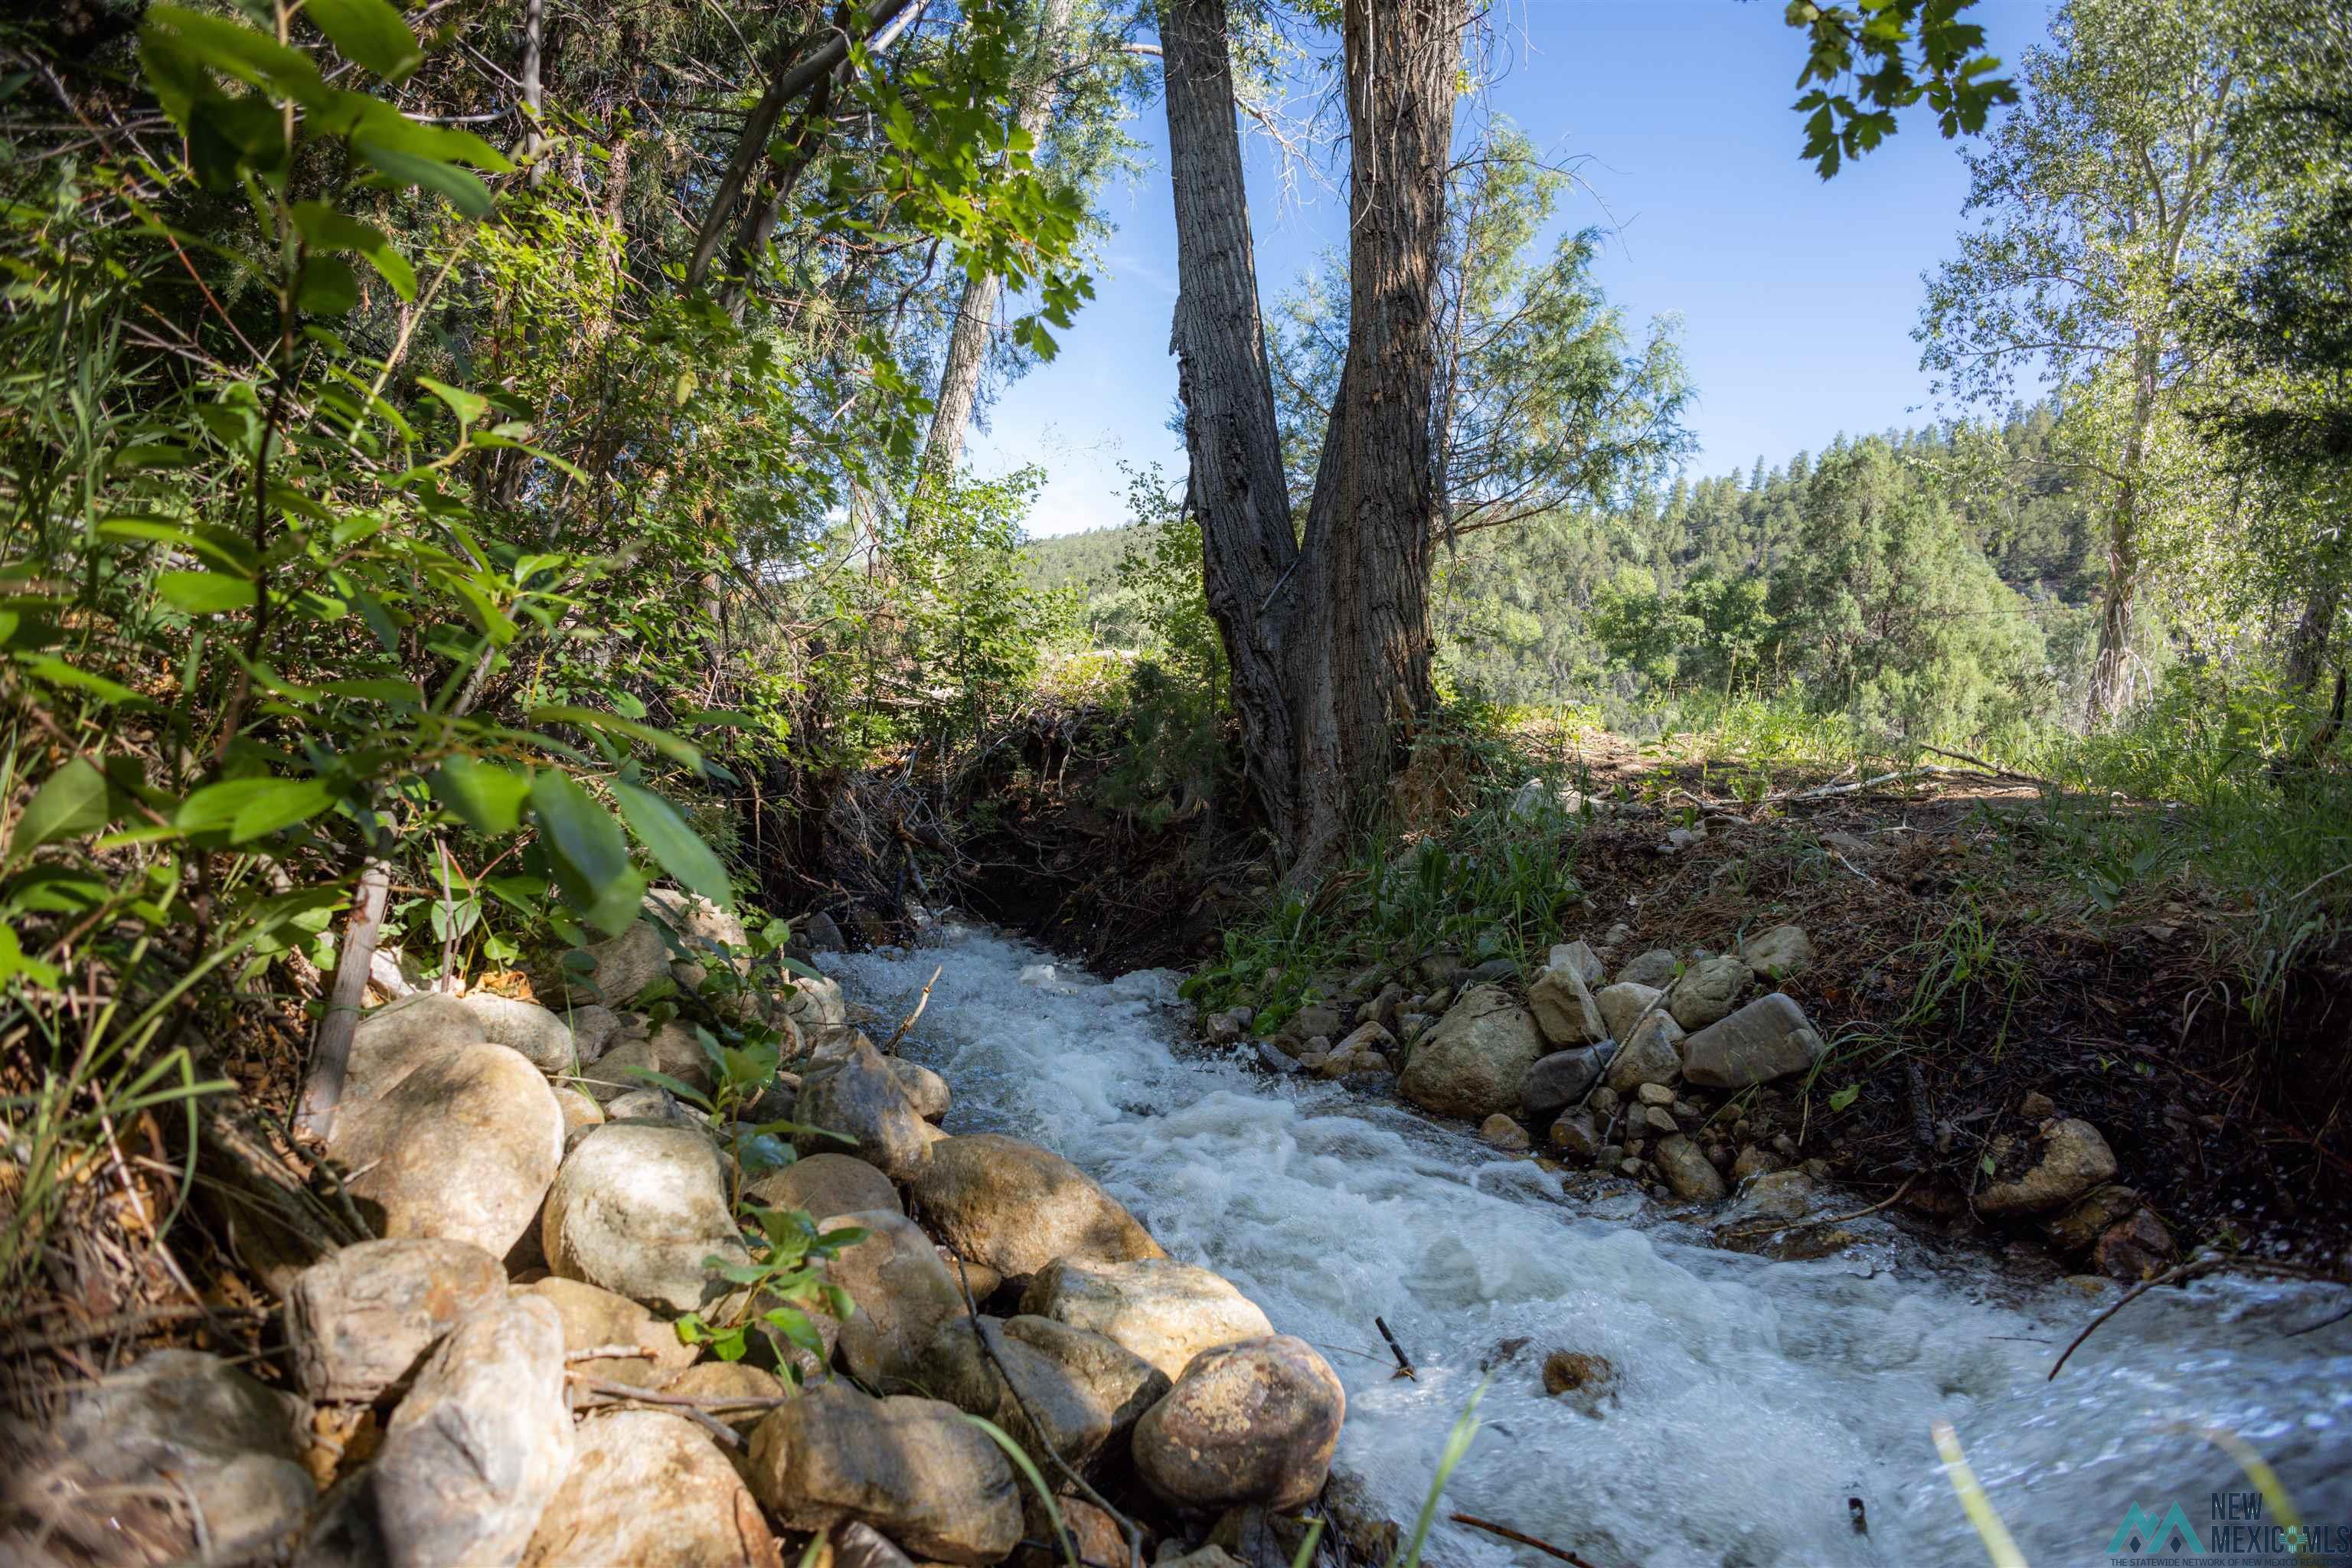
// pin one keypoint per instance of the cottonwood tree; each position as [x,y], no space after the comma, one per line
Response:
[2099,201]
[1325,615]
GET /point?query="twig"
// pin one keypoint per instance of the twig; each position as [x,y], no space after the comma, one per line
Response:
[609,1353]
[1507,1533]
[688,1408]
[1888,1202]
[921,1003]
[2172,1276]
[1404,1362]
[1993,768]
[122,1322]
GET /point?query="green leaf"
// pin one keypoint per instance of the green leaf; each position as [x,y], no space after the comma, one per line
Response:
[251,807]
[204,593]
[680,851]
[325,229]
[371,33]
[70,804]
[678,1087]
[467,407]
[589,852]
[464,191]
[487,796]
[13,961]
[58,672]
[329,286]
[1844,1097]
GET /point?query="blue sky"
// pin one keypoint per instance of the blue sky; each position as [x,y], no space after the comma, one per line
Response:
[1797,297]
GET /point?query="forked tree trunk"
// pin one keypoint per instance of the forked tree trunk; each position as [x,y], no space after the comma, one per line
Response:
[2114,669]
[1325,629]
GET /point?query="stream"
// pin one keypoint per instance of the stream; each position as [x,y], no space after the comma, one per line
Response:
[1756,1396]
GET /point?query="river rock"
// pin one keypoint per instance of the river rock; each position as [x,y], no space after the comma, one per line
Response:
[2135,1247]
[673,1051]
[824,1185]
[1686,1170]
[1623,1004]
[359,1321]
[1499,1132]
[2064,1159]
[1652,1055]
[816,1006]
[114,1478]
[926,1090]
[390,1042]
[913,1468]
[618,969]
[1708,990]
[1067,1420]
[463,1147]
[1561,1079]
[649,1486]
[1655,969]
[696,921]
[1113,1377]
[579,1109]
[860,1096]
[902,1293]
[596,1029]
[1578,958]
[1778,953]
[823,932]
[2089,1217]
[1576,1135]
[593,1318]
[1768,1038]
[635,1209]
[1248,1422]
[657,1107]
[529,1030]
[1563,1008]
[1582,1379]
[1752,1162]
[1016,1207]
[1165,1312]
[480,1446]
[1472,1064]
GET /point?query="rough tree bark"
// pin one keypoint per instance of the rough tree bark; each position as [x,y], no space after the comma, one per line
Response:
[1326,628]
[2114,668]
[967,354]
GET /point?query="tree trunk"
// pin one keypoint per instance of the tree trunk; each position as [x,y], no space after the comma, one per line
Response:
[2307,645]
[2113,672]
[967,354]
[1327,635]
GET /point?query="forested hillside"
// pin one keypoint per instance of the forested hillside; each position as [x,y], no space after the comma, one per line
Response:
[1933,580]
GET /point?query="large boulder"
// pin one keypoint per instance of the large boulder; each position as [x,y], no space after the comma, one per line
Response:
[1564,1008]
[1015,1208]
[1706,991]
[148,1465]
[902,1293]
[477,1449]
[1563,1079]
[822,1186]
[649,1486]
[359,1321]
[1472,1064]
[859,1096]
[1254,1423]
[1164,1311]
[1768,1038]
[2063,1159]
[464,1147]
[635,1209]
[913,1468]
[390,1042]
[597,1319]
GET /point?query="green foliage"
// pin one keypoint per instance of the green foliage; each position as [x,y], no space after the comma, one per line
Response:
[787,1248]
[1897,52]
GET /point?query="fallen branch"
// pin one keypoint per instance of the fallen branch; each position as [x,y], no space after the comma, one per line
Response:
[625,1394]
[909,1022]
[1507,1533]
[2205,1263]
[122,1322]
[1995,769]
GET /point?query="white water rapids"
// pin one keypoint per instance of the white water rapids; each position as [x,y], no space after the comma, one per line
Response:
[1756,1396]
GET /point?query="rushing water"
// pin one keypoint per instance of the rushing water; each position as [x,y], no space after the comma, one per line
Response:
[1756,1396]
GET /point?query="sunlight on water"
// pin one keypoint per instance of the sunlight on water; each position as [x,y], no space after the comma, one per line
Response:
[1756,1397]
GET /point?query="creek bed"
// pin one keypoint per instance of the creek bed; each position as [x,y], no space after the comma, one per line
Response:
[1756,1398]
